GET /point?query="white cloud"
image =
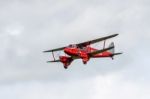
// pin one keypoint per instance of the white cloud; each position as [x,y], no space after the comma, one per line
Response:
[14,30]
[112,87]
[102,86]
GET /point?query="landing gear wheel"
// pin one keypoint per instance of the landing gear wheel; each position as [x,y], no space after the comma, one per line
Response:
[84,62]
[65,67]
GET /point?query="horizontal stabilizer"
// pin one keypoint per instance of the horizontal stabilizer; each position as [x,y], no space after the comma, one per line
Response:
[117,54]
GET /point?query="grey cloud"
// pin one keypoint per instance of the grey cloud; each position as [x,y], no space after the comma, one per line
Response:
[41,20]
[29,27]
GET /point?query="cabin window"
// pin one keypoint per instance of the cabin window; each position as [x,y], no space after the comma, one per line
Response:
[72,46]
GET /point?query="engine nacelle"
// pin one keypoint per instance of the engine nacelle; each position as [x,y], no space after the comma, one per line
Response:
[66,61]
[84,56]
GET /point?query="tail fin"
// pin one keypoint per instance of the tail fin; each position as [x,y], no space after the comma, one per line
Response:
[113,49]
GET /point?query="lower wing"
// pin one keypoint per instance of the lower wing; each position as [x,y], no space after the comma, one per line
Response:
[53,61]
[99,51]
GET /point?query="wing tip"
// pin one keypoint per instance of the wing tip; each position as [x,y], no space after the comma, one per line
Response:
[49,61]
[48,51]
[53,61]
[116,34]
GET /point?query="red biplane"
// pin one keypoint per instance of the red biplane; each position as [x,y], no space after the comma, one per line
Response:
[84,51]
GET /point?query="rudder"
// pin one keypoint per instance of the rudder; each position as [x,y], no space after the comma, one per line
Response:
[113,49]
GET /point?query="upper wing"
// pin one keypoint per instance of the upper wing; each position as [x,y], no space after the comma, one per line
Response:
[57,49]
[96,40]
[85,43]
[99,51]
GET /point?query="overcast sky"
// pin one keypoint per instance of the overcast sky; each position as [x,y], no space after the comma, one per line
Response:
[27,27]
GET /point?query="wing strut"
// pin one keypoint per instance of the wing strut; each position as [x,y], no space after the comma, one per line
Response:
[53,56]
[104,44]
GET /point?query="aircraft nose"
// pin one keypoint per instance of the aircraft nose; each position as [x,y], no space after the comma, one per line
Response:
[66,50]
